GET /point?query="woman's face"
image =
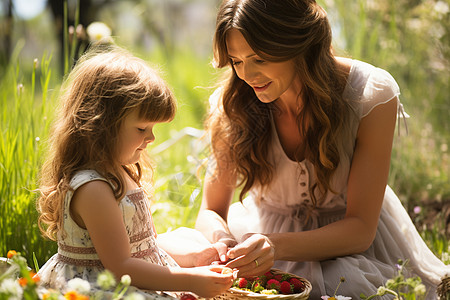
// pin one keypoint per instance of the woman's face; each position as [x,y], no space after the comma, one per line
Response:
[269,80]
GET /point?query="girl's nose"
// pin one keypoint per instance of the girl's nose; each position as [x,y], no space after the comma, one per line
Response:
[150,138]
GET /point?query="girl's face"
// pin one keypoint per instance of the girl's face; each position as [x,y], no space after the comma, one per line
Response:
[134,136]
[269,80]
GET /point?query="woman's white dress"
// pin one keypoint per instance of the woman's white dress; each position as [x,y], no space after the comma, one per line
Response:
[77,258]
[286,206]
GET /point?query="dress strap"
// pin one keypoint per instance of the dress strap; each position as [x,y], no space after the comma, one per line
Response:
[401,114]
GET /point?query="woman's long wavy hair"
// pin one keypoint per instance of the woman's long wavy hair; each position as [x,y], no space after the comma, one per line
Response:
[102,89]
[296,30]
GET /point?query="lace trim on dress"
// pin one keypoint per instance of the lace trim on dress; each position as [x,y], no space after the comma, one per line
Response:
[143,253]
[141,236]
[77,250]
[80,262]
[136,196]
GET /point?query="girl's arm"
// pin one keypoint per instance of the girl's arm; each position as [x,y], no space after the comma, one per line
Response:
[355,233]
[94,207]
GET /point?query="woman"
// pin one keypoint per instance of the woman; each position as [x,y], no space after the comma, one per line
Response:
[308,136]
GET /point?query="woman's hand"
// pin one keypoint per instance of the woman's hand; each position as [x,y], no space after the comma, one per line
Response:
[254,256]
[223,246]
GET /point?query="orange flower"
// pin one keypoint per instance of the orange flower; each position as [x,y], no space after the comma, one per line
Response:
[11,253]
[35,277]
[22,281]
[72,295]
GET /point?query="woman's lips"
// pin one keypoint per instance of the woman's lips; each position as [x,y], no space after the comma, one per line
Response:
[261,88]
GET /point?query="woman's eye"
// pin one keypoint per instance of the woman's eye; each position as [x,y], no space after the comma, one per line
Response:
[260,61]
[235,63]
[141,129]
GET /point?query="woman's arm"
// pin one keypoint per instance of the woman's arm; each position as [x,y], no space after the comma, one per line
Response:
[355,233]
[96,209]
[188,247]
[218,190]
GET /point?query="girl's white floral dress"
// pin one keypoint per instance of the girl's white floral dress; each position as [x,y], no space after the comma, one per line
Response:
[286,206]
[77,258]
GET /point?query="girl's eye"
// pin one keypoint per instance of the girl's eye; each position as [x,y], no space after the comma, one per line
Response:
[260,61]
[141,129]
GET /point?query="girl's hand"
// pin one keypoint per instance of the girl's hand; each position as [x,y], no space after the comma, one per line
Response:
[210,281]
[223,246]
[254,256]
[214,253]
[205,257]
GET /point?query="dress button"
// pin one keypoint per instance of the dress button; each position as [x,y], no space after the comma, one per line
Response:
[302,183]
[304,195]
[302,172]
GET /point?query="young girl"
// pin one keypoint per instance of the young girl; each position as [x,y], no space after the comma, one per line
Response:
[308,136]
[92,202]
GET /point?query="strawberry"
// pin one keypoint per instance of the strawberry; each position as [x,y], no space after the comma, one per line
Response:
[268,275]
[286,288]
[273,284]
[278,277]
[297,285]
[188,297]
[243,283]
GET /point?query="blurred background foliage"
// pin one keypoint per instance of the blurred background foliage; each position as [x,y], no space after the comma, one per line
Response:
[409,38]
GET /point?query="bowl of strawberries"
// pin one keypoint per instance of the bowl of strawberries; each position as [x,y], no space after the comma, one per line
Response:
[274,284]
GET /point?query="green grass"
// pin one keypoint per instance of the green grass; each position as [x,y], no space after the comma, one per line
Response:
[24,124]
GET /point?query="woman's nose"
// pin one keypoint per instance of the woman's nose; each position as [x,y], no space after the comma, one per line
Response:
[248,72]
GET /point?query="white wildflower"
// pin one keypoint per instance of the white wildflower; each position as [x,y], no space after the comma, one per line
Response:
[441,8]
[11,288]
[79,285]
[390,283]
[381,291]
[106,280]
[134,296]
[420,290]
[98,31]
[340,297]
[125,280]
